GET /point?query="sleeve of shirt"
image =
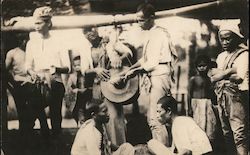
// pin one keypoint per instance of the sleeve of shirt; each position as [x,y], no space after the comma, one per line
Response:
[86,59]
[158,148]
[219,61]
[200,142]
[132,38]
[241,63]
[153,49]
[121,48]
[92,146]
[65,60]
[29,57]
[111,51]
[181,136]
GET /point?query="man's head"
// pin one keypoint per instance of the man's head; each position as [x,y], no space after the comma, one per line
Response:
[146,21]
[230,37]
[98,112]
[92,35]
[202,63]
[166,108]
[77,63]
[42,17]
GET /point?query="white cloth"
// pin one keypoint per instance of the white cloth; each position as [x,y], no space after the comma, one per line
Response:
[231,27]
[42,53]
[156,50]
[204,116]
[188,135]
[241,65]
[86,57]
[87,140]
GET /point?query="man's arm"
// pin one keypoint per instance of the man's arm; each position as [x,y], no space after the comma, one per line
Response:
[222,74]
[98,71]
[29,59]
[8,61]
[117,53]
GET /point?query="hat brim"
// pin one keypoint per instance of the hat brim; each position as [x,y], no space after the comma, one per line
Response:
[121,95]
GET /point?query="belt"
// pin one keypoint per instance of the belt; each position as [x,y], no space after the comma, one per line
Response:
[163,63]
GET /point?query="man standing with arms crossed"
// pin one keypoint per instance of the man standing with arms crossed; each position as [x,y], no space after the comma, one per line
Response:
[231,79]
[45,62]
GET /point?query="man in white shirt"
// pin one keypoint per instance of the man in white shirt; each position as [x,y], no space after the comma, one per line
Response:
[45,62]
[231,79]
[156,65]
[92,139]
[187,137]
[22,89]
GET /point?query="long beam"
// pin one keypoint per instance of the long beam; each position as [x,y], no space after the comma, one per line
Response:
[67,22]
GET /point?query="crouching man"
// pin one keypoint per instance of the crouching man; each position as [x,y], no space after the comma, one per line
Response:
[187,137]
[91,138]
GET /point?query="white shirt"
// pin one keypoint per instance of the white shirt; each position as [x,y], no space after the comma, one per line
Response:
[42,53]
[86,57]
[87,140]
[241,65]
[156,50]
[188,135]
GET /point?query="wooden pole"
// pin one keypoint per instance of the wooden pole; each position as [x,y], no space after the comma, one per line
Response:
[69,22]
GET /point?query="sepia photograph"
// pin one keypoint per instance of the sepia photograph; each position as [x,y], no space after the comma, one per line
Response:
[124,77]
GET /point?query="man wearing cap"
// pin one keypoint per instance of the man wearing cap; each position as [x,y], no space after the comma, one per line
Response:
[156,65]
[45,62]
[231,81]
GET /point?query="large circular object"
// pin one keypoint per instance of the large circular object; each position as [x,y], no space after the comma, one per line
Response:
[121,92]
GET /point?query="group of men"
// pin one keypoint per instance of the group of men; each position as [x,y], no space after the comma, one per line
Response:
[45,61]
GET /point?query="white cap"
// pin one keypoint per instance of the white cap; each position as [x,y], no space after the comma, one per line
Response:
[231,27]
[43,12]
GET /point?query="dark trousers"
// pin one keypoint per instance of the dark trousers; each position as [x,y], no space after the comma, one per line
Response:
[55,105]
[79,111]
[29,108]
[25,119]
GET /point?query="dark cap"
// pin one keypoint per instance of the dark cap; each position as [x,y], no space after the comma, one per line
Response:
[148,10]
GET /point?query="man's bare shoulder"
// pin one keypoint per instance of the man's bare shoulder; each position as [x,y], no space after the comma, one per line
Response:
[14,51]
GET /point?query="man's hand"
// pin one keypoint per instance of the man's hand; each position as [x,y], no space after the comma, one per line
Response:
[235,78]
[102,73]
[33,76]
[129,74]
[52,70]
[13,20]
[75,90]
[185,152]
[116,62]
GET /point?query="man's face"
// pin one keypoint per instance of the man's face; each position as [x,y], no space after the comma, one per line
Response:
[145,24]
[227,40]
[41,26]
[92,35]
[103,115]
[163,116]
